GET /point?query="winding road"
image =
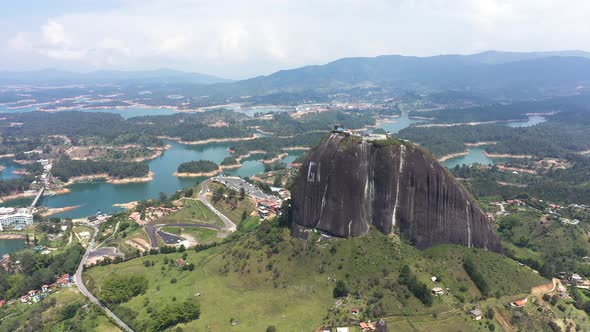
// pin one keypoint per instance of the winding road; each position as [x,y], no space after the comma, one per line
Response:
[152,229]
[229,225]
[85,292]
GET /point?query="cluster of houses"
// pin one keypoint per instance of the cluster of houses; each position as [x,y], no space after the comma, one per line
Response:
[219,124]
[268,207]
[379,326]
[34,296]
[575,279]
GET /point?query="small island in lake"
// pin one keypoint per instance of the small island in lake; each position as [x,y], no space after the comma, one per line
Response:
[197,168]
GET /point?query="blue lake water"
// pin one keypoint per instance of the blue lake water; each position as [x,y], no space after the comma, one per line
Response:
[9,245]
[475,156]
[9,168]
[398,124]
[101,196]
[262,109]
[126,113]
[533,120]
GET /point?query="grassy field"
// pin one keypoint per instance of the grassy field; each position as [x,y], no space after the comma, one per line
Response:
[234,214]
[80,229]
[269,278]
[201,235]
[47,315]
[193,212]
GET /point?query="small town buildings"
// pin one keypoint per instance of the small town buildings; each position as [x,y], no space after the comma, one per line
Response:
[24,299]
[32,293]
[20,218]
[576,278]
[476,314]
[45,288]
[85,234]
[342,329]
[355,311]
[1,303]
[180,262]
[367,326]
[433,279]
[136,216]
[438,291]
[519,303]
[65,280]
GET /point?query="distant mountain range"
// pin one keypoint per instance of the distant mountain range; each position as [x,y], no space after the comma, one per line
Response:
[53,76]
[491,73]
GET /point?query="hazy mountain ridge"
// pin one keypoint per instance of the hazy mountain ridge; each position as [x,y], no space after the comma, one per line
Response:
[54,76]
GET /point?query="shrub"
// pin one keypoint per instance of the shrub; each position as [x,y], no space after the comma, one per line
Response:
[341,290]
[119,289]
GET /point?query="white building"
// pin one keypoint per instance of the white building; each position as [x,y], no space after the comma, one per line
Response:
[19,218]
[7,210]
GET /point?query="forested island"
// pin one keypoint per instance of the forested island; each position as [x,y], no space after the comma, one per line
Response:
[197,168]
[66,168]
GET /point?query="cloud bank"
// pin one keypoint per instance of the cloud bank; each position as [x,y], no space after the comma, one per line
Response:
[238,39]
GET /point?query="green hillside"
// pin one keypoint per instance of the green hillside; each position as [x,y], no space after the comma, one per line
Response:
[267,277]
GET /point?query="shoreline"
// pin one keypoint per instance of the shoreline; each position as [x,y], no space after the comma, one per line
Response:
[210,140]
[8,155]
[16,196]
[465,123]
[129,205]
[506,155]
[195,175]
[232,166]
[275,159]
[108,179]
[52,211]
[476,144]
[453,155]
[12,237]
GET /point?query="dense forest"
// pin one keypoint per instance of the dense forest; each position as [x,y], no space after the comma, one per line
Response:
[19,184]
[283,124]
[198,166]
[552,139]
[37,270]
[65,168]
[561,185]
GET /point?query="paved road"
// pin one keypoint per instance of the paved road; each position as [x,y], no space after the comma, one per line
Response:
[85,292]
[151,230]
[229,225]
[236,183]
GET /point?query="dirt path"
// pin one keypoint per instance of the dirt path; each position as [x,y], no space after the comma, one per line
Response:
[502,321]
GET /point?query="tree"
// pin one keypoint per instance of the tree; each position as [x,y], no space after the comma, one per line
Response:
[163,196]
[244,215]
[271,328]
[189,192]
[340,290]
[277,182]
[242,193]
[218,194]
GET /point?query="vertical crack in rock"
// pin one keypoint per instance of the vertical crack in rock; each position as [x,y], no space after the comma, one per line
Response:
[401,167]
[467,217]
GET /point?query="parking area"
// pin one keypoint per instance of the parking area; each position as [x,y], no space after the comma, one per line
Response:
[236,183]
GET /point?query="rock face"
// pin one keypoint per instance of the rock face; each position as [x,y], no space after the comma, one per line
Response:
[346,185]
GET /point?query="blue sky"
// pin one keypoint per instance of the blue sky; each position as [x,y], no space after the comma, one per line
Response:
[238,39]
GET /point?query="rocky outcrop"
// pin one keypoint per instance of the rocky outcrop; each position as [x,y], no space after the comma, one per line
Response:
[346,185]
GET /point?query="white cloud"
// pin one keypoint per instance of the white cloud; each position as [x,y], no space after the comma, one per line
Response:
[244,38]
[54,34]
